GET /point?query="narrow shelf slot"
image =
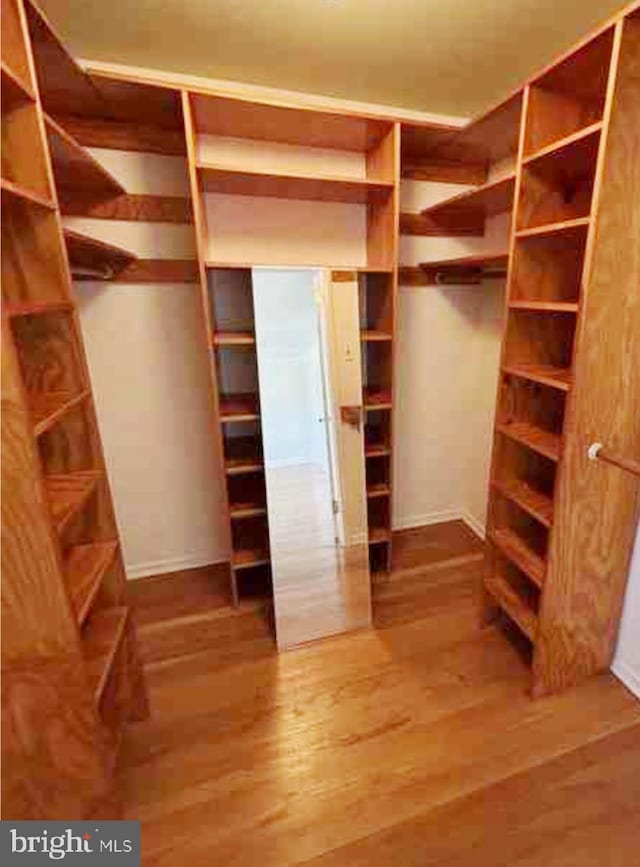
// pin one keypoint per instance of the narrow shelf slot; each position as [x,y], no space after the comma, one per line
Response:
[249,558]
[520,554]
[528,498]
[16,191]
[558,146]
[239,511]
[471,208]
[373,336]
[234,338]
[93,259]
[379,535]
[239,407]
[547,269]
[14,91]
[554,227]
[67,494]
[545,374]
[380,489]
[49,407]
[511,603]
[85,567]
[376,399]
[542,441]
[377,450]
[102,636]
[243,455]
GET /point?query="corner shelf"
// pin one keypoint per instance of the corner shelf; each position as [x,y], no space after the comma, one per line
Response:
[19,193]
[560,145]
[104,632]
[470,209]
[286,185]
[75,169]
[67,494]
[85,567]
[95,260]
[49,408]
[520,554]
[14,91]
[542,441]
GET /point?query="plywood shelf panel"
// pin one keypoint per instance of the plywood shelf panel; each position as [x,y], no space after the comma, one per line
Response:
[375,399]
[545,374]
[239,407]
[564,144]
[542,441]
[85,568]
[238,511]
[249,558]
[418,225]
[14,91]
[88,256]
[513,606]
[472,207]
[11,191]
[520,554]
[49,407]
[240,182]
[67,495]
[379,535]
[75,169]
[381,489]
[554,228]
[371,335]
[545,306]
[234,338]
[377,450]
[36,308]
[532,501]
[100,642]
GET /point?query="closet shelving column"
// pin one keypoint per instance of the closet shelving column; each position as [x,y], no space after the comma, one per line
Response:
[563,143]
[65,618]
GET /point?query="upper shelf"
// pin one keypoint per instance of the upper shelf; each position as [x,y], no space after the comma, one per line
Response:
[74,168]
[14,91]
[91,259]
[280,185]
[472,207]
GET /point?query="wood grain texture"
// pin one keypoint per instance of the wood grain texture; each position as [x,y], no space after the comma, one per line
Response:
[129,206]
[596,505]
[99,132]
[414,743]
[465,225]
[159,271]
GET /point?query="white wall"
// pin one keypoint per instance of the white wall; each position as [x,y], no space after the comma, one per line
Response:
[148,367]
[626,664]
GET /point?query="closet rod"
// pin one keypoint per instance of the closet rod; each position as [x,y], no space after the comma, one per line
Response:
[597,452]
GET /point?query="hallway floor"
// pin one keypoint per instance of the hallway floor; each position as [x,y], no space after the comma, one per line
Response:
[411,744]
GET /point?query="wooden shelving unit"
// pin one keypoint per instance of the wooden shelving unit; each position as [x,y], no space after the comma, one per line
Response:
[63,570]
[565,196]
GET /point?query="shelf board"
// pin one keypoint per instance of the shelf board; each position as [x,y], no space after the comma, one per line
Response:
[533,502]
[376,450]
[36,308]
[85,567]
[100,642]
[539,440]
[249,558]
[49,408]
[239,407]
[376,398]
[241,467]
[465,267]
[75,169]
[238,511]
[371,335]
[557,147]
[243,455]
[472,207]
[67,494]
[288,185]
[520,554]
[514,606]
[545,306]
[379,490]
[464,226]
[93,259]
[554,228]
[14,91]
[545,374]
[15,192]
[379,535]
[212,264]
[234,338]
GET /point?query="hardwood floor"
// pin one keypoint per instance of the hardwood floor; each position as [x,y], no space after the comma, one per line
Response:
[414,743]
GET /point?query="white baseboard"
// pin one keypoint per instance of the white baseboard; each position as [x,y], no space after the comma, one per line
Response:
[628,676]
[473,524]
[408,522]
[172,564]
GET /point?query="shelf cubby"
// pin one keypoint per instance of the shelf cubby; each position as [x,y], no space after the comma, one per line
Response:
[378,477]
[67,495]
[525,477]
[69,445]
[13,45]
[92,259]
[521,538]
[48,408]
[247,495]
[531,414]
[539,346]
[515,595]
[548,268]
[558,186]
[103,635]
[569,96]
[471,208]
[85,567]
[242,450]
[15,92]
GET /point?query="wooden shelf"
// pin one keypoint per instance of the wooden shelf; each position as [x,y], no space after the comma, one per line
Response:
[379,535]
[281,185]
[418,225]
[49,408]
[535,503]
[514,606]
[371,335]
[238,511]
[557,147]
[242,456]
[554,228]
[376,398]
[36,308]
[101,640]
[541,441]
[14,91]
[465,268]
[471,208]
[93,259]
[75,169]
[520,554]
[249,558]
[85,567]
[239,407]
[377,450]
[14,192]
[234,338]
[545,374]
[545,306]
[67,494]
[382,489]
[212,264]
